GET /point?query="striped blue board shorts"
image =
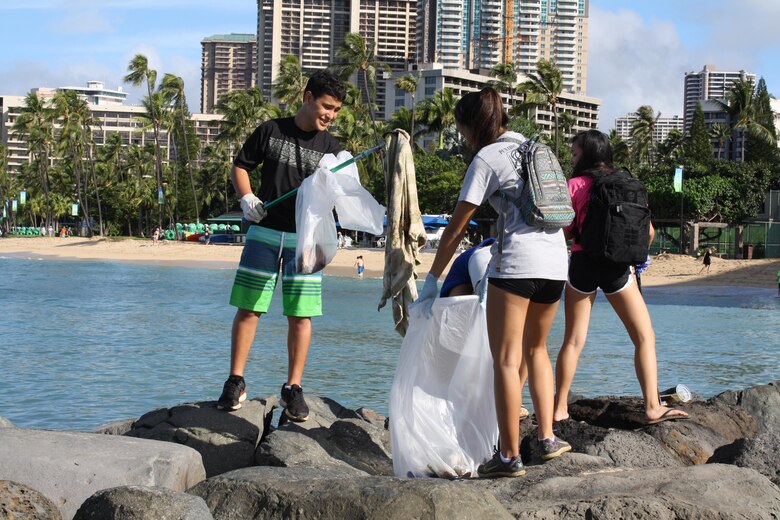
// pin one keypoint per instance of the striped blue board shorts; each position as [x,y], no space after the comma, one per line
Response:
[266,253]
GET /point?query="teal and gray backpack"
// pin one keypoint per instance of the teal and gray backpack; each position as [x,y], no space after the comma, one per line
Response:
[544,201]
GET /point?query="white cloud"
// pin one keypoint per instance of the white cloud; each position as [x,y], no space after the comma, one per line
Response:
[633,62]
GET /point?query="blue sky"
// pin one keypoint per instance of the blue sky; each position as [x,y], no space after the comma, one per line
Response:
[639,50]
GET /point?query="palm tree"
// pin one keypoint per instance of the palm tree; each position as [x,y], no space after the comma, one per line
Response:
[5,180]
[356,55]
[215,176]
[290,84]
[721,133]
[643,133]
[409,85]
[546,83]
[620,152]
[172,89]
[74,137]
[506,77]
[438,112]
[35,126]
[138,74]
[243,111]
[742,109]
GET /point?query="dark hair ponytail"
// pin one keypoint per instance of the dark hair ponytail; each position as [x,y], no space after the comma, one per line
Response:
[483,114]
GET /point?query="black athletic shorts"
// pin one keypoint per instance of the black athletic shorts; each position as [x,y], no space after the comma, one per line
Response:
[587,275]
[538,290]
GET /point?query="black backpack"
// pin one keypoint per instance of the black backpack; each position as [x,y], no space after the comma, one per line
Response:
[617,226]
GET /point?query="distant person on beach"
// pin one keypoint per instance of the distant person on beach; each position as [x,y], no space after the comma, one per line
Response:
[289,150]
[464,278]
[706,261]
[778,284]
[361,266]
[592,155]
[207,235]
[526,278]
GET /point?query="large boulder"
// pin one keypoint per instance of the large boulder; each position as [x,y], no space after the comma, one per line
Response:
[712,424]
[762,453]
[711,491]
[761,402]
[625,448]
[20,501]
[281,493]
[225,440]
[291,449]
[68,467]
[333,436]
[143,503]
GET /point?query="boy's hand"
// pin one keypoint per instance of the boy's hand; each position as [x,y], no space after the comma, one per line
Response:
[253,208]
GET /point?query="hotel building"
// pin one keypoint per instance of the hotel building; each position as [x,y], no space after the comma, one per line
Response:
[709,84]
[227,63]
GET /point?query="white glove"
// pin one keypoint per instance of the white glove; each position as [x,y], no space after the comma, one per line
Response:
[252,207]
[430,291]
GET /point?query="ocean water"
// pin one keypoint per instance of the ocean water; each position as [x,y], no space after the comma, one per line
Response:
[86,343]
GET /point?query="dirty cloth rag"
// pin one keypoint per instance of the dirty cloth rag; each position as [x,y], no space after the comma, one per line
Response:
[405,233]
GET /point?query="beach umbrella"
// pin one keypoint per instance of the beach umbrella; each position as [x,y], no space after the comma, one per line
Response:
[235,227]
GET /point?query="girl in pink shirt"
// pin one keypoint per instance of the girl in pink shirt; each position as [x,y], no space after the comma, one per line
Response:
[591,155]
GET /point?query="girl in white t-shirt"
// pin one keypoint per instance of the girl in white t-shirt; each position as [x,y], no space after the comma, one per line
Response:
[526,278]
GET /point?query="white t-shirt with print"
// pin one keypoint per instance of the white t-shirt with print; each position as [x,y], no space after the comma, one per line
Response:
[529,252]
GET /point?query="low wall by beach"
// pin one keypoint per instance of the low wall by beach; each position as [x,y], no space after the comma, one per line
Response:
[665,269]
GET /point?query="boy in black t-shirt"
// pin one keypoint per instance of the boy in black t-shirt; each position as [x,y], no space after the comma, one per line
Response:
[289,150]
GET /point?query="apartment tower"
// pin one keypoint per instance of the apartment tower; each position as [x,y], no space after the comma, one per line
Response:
[479,34]
[709,84]
[227,63]
[313,30]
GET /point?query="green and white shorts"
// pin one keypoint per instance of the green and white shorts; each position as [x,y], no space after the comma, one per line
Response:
[266,253]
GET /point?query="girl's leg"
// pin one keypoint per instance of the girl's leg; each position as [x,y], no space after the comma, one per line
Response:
[632,311]
[540,378]
[578,307]
[505,321]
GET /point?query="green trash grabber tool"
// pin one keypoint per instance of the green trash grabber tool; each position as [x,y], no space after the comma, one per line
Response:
[336,168]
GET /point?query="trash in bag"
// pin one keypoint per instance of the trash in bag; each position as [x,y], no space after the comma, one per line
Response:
[316,228]
[442,408]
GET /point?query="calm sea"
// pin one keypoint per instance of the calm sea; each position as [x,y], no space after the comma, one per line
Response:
[88,343]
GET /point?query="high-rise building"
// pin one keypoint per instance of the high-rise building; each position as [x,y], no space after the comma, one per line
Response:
[663,126]
[709,84]
[110,118]
[313,30]
[227,63]
[434,77]
[479,34]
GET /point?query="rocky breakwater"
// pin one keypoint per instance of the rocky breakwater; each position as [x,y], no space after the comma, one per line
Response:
[722,464]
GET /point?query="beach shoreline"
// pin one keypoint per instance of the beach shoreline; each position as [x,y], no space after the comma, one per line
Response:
[665,269]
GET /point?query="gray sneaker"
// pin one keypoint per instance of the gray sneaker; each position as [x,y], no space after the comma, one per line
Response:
[495,467]
[554,447]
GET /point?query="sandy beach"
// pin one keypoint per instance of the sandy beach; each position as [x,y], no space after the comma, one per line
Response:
[665,269]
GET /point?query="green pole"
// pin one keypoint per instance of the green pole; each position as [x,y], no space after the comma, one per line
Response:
[336,168]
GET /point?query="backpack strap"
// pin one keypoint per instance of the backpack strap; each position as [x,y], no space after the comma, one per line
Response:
[502,213]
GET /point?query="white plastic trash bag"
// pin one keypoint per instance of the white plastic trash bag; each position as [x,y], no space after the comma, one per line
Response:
[316,228]
[442,409]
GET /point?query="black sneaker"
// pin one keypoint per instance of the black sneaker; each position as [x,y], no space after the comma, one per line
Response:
[233,394]
[495,467]
[554,447]
[293,403]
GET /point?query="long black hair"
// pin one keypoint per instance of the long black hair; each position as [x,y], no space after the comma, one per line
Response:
[483,114]
[596,152]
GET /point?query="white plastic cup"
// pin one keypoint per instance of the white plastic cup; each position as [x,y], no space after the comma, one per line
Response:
[676,394]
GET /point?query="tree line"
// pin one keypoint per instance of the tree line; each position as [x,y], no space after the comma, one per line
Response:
[128,189]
